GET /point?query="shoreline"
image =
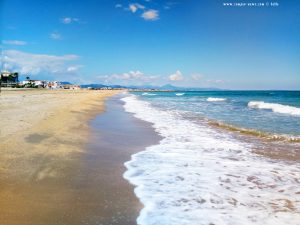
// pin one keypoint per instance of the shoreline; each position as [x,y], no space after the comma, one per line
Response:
[116,136]
[69,163]
[209,175]
[270,146]
[68,167]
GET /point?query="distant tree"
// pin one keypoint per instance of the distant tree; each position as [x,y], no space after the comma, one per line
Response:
[10,77]
[16,77]
[29,84]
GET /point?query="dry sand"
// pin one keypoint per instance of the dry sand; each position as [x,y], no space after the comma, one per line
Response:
[42,131]
[37,123]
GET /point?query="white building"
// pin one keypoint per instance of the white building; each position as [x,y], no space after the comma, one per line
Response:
[53,84]
[40,83]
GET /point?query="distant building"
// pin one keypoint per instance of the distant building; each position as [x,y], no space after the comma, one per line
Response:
[9,79]
[53,85]
[35,83]
[71,86]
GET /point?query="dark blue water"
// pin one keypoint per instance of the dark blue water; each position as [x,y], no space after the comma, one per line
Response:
[276,112]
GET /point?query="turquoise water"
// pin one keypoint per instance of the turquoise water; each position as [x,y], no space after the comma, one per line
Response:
[276,112]
[197,174]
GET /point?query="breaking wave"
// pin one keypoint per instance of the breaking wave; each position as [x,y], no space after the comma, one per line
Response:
[149,94]
[198,176]
[210,99]
[275,107]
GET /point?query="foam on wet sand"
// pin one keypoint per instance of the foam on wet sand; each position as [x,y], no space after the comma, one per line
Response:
[197,175]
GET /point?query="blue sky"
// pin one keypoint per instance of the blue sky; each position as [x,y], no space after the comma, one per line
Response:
[185,43]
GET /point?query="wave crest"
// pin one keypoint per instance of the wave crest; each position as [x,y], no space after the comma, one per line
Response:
[210,99]
[275,107]
[149,94]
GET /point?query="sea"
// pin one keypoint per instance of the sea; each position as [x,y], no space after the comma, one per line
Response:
[204,170]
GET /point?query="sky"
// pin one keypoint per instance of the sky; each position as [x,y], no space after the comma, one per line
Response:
[195,43]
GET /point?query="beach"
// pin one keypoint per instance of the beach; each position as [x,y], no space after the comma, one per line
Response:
[121,158]
[44,122]
[58,165]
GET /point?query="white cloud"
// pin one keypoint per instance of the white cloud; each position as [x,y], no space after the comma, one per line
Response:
[39,64]
[197,76]
[55,36]
[169,5]
[14,42]
[177,76]
[133,75]
[129,77]
[217,81]
[146,14]
[133,7]
[74,68]
[151,14]
[68,20]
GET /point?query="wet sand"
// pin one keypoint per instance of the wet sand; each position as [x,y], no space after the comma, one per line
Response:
[106,197]
[278,150]
[55,169]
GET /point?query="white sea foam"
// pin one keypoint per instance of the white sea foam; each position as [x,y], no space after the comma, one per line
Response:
[179,94]
[278,108]
[149,94]
[197,176]
[210,99]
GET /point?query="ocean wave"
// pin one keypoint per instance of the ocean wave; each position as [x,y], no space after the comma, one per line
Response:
[255,133]
[275,107]
[149,94]
[197,175]
[211,99]
[179,94]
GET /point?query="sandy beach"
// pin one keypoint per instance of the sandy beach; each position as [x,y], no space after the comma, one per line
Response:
[47,123]
[63,153]
[51,158]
